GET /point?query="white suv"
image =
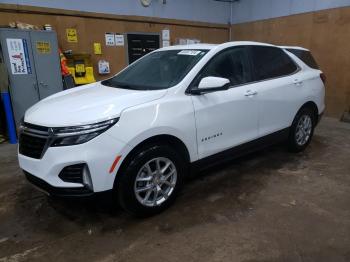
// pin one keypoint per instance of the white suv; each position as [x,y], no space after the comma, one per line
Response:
[138,132]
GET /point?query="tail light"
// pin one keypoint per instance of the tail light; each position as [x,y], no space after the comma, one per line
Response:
[323,78]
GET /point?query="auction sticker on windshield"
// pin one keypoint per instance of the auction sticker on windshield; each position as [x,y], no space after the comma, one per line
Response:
[189,52]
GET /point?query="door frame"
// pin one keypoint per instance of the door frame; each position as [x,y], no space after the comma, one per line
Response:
[136,33]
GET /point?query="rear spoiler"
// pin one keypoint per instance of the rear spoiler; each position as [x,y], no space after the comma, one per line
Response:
[294,47]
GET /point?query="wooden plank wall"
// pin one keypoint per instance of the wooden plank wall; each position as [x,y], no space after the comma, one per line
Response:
[91,27]
[326,33]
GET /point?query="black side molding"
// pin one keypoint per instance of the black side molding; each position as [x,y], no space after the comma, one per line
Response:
[241,150]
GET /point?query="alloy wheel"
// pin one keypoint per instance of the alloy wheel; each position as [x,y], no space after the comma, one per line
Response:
[303,130]
[155,181]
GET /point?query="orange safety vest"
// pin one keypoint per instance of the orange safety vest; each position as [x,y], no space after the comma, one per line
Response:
[64,67]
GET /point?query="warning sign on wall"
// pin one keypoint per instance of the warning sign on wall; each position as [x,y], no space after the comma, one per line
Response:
[72,36]
[18,54]
[97,49]
[43,47]
[110,41]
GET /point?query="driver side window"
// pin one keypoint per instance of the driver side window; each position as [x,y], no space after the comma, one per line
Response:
[232,64]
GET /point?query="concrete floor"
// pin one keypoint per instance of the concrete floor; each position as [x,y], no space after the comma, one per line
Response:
[268,206]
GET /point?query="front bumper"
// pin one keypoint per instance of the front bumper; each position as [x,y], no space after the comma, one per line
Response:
[58,191]
[98,154]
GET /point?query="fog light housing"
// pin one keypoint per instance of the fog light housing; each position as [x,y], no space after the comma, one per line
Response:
[78,173]
[87,181]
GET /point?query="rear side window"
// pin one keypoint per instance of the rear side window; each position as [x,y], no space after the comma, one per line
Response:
[271,62]
[305,56]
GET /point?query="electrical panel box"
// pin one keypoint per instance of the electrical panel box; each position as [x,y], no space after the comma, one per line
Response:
[33,66]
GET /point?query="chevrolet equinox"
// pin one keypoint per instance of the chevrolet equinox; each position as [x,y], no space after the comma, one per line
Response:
[138,132]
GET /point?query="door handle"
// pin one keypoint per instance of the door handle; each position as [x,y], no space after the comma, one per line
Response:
[298,82]
[43,84]
[250,93]
[35,86]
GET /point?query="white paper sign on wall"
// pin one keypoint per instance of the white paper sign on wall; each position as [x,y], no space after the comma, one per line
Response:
[110,40]
[119,39]
[103,67]
[166,43]
[166,34]
[18,54]
[190,41]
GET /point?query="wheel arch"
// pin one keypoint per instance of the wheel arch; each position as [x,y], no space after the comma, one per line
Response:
[312,105]
[166,139]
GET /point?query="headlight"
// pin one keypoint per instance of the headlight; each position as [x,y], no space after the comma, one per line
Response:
[74,135]
[21,123]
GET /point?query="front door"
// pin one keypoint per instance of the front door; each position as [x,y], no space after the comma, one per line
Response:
[225,119]
[141,44]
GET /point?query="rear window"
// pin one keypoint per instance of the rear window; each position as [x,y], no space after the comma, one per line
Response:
[306,57]
[271,62]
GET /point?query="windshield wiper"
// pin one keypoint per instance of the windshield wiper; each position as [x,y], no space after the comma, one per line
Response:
[111,83]
[108,82]
[125,86]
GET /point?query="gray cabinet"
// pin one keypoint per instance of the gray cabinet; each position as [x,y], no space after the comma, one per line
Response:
[33,66]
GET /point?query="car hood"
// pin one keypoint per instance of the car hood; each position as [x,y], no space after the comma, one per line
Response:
[86,104]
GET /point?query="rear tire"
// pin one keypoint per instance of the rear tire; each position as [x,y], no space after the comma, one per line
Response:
[302,130]
[151,180]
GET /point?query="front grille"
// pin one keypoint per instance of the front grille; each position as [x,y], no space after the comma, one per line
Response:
[31,146]
[33,140]
[72,174]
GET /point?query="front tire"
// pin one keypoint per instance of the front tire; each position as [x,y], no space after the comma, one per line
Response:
[151,180]
[302,130]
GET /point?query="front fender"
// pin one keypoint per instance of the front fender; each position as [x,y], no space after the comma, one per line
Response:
[174,117]
[191,148]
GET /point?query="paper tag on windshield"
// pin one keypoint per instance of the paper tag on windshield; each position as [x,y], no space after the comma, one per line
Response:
[189,52]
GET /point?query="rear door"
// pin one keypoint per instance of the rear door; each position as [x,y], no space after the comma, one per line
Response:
[225,119]
[279,86]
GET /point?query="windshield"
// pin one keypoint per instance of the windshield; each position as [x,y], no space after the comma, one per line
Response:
[159,70]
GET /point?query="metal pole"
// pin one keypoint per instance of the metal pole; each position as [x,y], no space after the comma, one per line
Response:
[11,128]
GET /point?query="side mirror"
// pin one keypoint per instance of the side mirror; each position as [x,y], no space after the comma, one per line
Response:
[211,84]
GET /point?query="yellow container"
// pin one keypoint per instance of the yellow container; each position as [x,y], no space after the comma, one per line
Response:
[80,67]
